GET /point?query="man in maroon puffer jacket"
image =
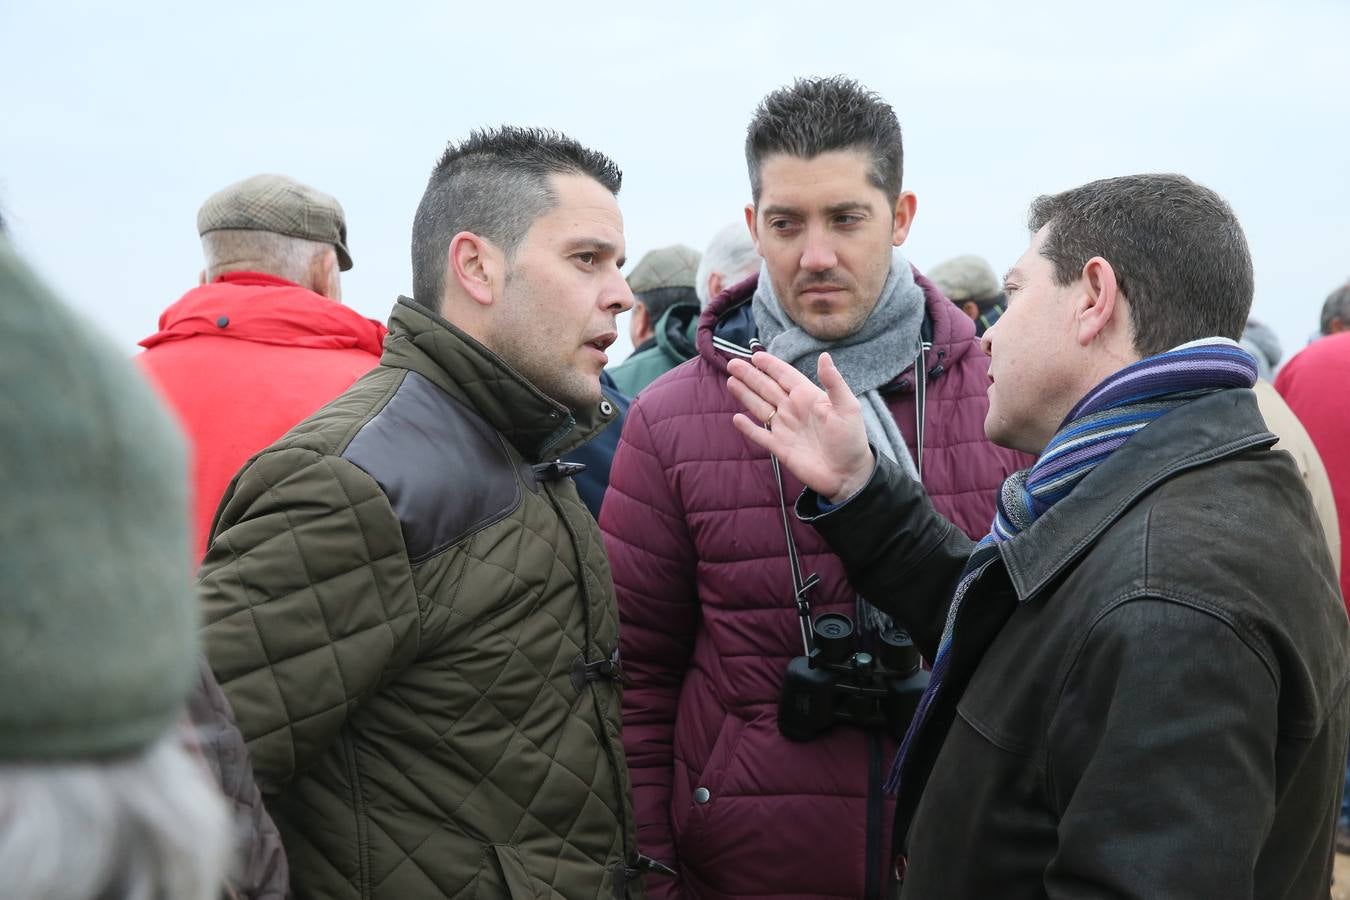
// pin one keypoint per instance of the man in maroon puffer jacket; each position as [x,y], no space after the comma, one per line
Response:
[695,534]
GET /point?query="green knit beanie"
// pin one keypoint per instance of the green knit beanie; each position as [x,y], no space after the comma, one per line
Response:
[97,615]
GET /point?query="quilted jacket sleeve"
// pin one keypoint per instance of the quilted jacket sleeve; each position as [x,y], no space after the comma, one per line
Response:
[653,560]
[308,603]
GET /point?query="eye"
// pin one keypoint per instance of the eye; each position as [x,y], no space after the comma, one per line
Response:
[587,258]
[782,226]
[848,219]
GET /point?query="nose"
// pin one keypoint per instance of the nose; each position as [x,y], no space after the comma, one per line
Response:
[818,254]
[617,296]
[986,340]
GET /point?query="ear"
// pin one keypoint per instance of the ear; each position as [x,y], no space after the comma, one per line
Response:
[905,205]
[971,308]
[753,226]
[715,284]
[1100,311]
[323,274]
[475,266]
[640,323]
[1337,325]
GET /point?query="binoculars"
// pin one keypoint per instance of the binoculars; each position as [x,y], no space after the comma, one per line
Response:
[838,682]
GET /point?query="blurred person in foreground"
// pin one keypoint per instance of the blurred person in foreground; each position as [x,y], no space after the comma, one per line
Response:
[1139,678]
[664,317]
[264,340]
[1313,383]
[729,259]
[969,282]
[407,603]
[100,795]
[695,532]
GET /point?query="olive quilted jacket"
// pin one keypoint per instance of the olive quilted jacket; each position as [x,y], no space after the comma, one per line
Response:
[411,612]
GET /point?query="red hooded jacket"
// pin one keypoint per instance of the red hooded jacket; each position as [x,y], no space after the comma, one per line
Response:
[695,540]
[241,361]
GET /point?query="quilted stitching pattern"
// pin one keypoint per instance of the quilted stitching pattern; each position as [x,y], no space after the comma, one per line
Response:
[405,719]
[694,534]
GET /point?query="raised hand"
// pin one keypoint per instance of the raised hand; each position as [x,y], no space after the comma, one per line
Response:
[819,435]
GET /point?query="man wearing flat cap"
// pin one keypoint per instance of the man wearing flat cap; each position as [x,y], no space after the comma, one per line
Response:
[665,316]
[264,340]
[969,282]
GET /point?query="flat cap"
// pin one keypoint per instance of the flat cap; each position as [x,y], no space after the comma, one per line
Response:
[279,205]
[668,267]
[965,278]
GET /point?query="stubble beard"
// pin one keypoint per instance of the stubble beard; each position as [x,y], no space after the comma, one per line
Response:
[529,347]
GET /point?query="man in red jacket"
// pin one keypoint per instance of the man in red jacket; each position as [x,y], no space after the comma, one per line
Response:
[260,344]
[695,533]
[264,340]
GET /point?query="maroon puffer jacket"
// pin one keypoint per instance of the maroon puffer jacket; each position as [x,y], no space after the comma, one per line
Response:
[695,540]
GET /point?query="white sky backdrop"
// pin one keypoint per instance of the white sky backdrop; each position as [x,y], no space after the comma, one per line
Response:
[120,118]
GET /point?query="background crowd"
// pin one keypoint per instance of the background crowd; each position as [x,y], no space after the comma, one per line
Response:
[399,679]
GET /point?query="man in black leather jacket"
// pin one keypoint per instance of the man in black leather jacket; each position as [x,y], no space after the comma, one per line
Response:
[1142,670]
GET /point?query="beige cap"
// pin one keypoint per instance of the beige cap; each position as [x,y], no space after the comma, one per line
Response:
[673,266]
[965,278]
[280,205]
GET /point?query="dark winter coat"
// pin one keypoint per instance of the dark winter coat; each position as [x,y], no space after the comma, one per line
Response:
[1148,690]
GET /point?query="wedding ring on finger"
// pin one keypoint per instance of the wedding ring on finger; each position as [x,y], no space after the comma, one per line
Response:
[768,423]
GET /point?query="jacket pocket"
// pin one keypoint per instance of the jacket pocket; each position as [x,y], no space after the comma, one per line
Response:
[706,790]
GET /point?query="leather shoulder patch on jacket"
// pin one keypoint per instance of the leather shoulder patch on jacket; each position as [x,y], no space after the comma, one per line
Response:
[443,468]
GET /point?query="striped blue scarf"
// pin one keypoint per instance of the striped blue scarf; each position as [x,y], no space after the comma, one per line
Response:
[1123,404]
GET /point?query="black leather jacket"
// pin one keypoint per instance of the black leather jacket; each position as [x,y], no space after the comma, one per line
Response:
[1148,695]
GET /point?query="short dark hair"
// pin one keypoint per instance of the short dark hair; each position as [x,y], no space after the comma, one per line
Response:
[1178,252]
[816,115]
[659,300]
[494,184]
[1337,306]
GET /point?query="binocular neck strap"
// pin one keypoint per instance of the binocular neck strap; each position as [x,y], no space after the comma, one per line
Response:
[799,585]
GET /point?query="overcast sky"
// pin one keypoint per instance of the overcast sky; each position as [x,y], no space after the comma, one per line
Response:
[120,118]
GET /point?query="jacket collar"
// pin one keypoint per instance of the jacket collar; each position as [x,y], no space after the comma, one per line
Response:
[1203,431]
[264,309]
[538,427]
[727,326]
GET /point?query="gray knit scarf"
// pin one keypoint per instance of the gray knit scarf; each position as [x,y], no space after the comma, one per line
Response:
[886,345]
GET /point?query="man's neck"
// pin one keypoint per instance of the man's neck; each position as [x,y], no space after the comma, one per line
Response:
[254,276]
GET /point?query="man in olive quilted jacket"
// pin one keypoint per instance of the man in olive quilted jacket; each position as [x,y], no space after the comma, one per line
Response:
[405,600]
